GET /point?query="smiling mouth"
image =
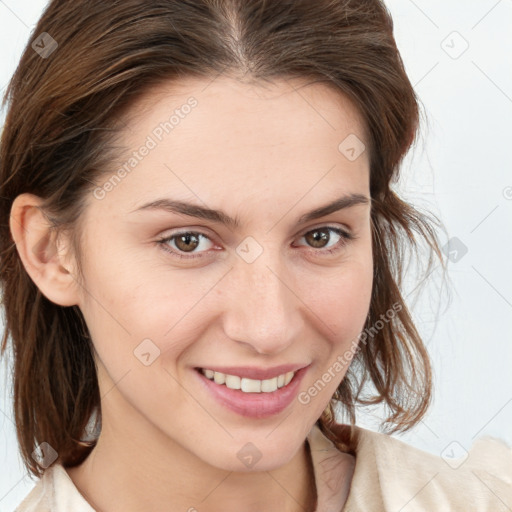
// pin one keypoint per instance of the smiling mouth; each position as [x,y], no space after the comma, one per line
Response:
[248,385]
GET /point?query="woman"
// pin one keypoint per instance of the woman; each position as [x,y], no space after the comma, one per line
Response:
[201,260]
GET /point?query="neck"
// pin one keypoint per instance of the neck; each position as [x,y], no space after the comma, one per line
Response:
[134,467]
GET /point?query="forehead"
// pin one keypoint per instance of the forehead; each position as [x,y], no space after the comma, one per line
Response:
[229,103]
[269,141]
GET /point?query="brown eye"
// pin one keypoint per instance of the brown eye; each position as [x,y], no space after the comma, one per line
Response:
[318,238]
[186,242]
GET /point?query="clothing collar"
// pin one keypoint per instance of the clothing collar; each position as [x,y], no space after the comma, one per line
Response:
[344,478]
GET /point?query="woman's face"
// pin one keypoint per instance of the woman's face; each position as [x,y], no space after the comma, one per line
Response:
[254,300]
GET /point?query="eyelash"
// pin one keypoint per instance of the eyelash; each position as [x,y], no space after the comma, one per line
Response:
[345,238]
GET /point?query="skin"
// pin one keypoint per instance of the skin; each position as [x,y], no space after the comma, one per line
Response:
[266,154]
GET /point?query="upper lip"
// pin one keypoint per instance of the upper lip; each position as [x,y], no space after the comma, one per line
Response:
[250,372]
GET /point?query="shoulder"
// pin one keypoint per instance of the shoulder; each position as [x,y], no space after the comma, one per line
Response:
[54,492]
[392,475]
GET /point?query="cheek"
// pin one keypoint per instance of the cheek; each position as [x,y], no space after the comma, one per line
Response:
[133,307]
[141,323]
[342,306]
[341,298]
[341,301]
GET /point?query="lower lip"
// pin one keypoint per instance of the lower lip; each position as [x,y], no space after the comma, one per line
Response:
[254,405]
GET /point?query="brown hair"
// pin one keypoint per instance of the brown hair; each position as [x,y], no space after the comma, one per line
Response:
[62,118]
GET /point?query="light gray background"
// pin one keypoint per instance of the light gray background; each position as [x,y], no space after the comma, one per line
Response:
[461,170]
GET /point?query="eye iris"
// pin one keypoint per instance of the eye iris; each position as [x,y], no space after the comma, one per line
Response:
[319,235]
[187,237]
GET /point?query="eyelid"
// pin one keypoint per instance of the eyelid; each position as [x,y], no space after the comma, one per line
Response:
[342,227]
[202,231]
[346,236]
[344,232]
[207,233]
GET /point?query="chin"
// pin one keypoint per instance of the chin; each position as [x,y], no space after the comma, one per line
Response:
[246,456]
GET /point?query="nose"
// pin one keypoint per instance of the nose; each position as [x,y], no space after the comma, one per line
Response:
[263,310]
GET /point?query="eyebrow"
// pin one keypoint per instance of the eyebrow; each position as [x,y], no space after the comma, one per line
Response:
[192,210]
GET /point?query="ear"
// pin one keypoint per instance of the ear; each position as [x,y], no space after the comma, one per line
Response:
[43,256]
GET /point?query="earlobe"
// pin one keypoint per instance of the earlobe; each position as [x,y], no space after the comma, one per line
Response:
[41,253]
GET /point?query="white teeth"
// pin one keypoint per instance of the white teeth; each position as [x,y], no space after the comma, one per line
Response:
[249,385]
[219,378]
[269,385]
[232,382]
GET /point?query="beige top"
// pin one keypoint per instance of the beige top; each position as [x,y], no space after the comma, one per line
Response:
[388,476]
